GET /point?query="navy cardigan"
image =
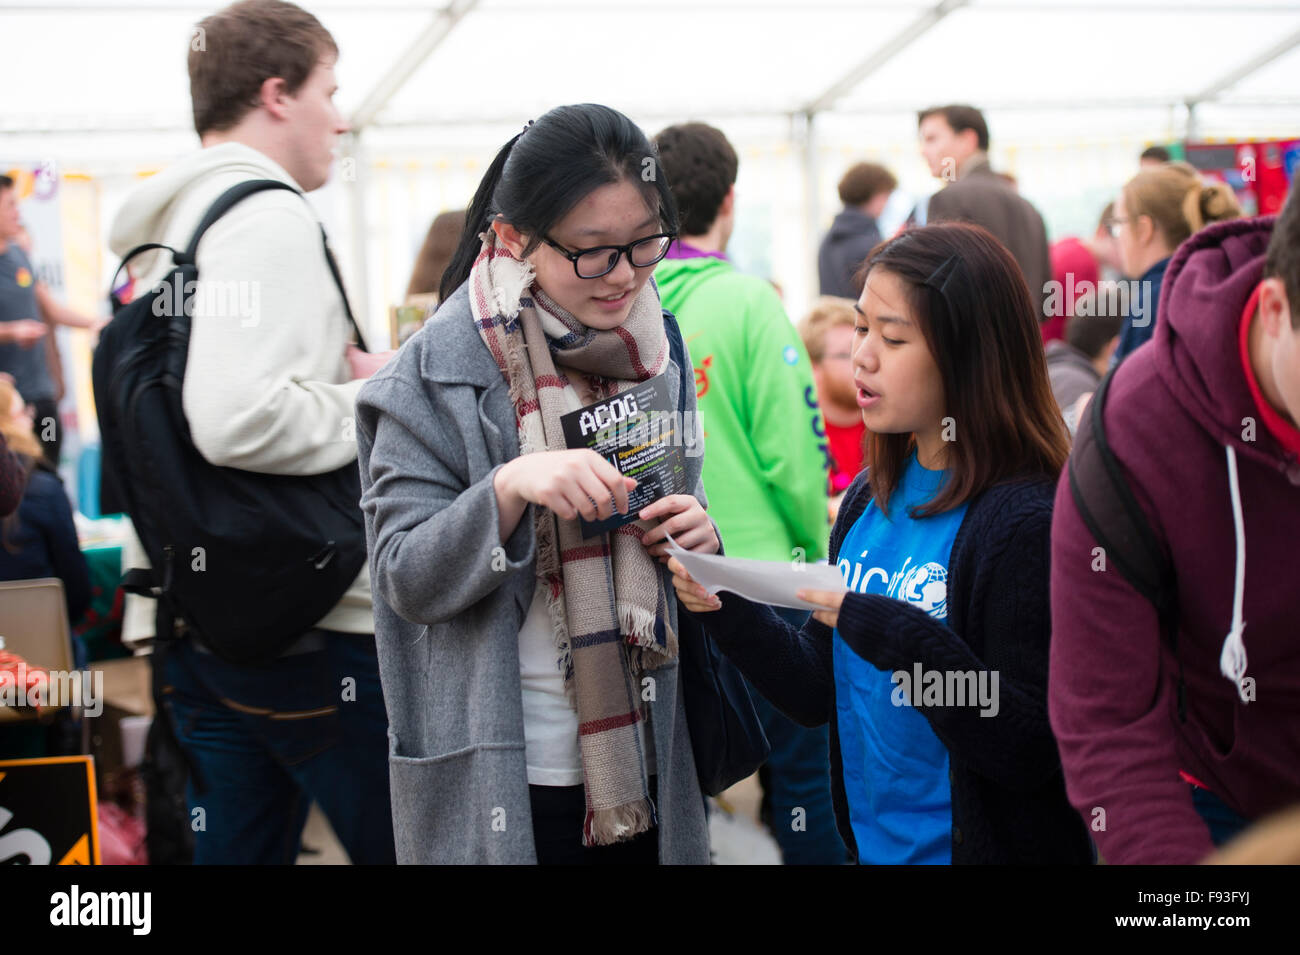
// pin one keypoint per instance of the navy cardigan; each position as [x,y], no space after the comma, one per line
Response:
[1008,791]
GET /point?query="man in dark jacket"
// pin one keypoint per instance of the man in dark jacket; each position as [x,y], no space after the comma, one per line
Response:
[955,142]
[864,190]
[1168,754]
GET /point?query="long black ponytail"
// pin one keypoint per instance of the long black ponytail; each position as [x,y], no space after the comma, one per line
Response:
[543,172]
[476,220]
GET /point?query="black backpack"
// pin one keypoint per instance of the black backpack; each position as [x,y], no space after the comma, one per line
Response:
[248,561]
[1116,519]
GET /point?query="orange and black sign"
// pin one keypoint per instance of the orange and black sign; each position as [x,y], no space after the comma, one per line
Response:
[47,811]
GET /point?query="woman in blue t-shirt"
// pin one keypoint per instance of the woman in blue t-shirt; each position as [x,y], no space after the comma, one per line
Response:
[932,668]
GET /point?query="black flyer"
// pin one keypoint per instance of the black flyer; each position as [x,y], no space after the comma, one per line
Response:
[637,432]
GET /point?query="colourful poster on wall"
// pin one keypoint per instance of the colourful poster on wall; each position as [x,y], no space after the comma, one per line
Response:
[1260,173]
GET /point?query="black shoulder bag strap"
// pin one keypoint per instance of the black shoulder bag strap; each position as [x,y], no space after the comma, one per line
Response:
[727,739]
[223,204]
[677,351]
[1112,513]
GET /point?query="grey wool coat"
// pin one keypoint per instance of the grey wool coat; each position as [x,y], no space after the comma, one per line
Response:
[433,427]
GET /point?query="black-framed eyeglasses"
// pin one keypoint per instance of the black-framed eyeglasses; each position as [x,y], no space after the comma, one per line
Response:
[602,259]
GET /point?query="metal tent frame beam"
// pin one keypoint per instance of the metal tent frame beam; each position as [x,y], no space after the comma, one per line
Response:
[803,123]
[439,28]
[888,109]
[388,85]
[1210,92]
[204,7]
[1232,78]
[905,38]
[129,126]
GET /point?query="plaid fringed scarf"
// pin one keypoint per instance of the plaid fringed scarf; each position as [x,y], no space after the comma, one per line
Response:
[608,605]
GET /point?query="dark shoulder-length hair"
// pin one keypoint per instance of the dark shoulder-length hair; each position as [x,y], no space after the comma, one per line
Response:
[546,170]
[974,308]
[10,525]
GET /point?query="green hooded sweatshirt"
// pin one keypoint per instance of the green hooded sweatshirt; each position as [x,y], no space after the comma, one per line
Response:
[764,469]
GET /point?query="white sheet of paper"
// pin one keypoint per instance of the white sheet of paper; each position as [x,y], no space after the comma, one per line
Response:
[762,581]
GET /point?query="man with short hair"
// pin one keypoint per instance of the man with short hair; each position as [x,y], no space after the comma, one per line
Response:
[270,386]
[23,299]
[1076,365]
[764,472]
[1178,730]
[1153,157]
[955,143]
[864,189]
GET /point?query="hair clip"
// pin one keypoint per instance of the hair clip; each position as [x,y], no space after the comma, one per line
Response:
[940,270]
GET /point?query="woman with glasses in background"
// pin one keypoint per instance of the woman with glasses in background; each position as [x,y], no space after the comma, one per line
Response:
[1155,211]
[531,673]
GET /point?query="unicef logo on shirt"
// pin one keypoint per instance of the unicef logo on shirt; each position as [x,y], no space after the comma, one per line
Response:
[926,586]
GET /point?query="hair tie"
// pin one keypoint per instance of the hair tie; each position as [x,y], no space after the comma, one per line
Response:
[527,126]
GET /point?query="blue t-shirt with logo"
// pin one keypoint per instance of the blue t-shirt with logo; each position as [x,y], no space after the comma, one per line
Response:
[895,768]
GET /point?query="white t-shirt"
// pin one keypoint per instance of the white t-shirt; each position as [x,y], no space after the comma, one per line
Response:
[550,724]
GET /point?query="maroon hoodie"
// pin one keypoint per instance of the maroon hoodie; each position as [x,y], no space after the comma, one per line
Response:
[1174,407]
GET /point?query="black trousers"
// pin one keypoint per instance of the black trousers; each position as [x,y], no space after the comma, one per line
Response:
[558,812]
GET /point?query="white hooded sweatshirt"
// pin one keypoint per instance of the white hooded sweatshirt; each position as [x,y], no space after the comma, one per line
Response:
[267,385]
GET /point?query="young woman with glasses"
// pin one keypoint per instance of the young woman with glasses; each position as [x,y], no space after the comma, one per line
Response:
[531,673]
[1154,213]
[932,668]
